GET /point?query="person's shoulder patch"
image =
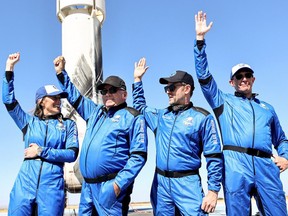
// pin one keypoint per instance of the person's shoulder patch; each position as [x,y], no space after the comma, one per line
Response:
[200,109]
[133,111]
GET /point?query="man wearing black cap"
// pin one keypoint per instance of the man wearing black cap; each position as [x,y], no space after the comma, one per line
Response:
[182,132]
[114,148]
[249,129]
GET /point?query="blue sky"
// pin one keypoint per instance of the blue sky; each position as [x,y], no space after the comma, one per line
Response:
[247,31]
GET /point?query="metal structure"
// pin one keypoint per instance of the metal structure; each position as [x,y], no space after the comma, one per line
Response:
[81,46]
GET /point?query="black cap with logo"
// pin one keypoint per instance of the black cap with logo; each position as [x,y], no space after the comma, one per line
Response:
[113,81]
[178,76]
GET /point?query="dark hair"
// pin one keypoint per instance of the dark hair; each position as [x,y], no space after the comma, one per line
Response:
[39,111]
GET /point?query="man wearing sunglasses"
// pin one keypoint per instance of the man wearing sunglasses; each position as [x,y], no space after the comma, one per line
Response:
[182,133]
[249,129]
[114,148]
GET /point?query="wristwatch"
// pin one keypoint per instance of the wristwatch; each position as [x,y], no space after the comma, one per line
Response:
[39,150]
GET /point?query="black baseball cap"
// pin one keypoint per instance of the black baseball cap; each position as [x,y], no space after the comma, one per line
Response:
[113,81]
[178,76]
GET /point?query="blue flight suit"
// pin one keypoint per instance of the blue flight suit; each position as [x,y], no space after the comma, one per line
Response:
[114,149]
[249,129]
[181,136]
[40,180]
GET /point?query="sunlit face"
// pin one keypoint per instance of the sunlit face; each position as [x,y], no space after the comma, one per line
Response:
[113,97]
[177,92]
[51,105]
[243,82]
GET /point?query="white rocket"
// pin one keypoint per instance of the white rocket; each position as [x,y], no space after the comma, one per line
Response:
[81,46]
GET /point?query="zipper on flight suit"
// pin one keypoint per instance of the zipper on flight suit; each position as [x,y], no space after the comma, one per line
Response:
[35,211]
[103,119]
[170,141]
[253,140]
[40,171]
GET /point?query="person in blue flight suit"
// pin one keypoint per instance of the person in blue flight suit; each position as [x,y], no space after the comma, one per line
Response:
[249,129]
[50,140]
[114,148]
[182,133]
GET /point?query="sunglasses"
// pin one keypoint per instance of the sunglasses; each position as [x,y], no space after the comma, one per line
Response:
[241,76]
[111,90]
[171,87]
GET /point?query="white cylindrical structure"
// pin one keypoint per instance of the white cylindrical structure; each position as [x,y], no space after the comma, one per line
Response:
[81,46]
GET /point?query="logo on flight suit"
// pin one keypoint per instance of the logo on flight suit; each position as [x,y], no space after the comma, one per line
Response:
[60,126]
[116,118]
[188,121]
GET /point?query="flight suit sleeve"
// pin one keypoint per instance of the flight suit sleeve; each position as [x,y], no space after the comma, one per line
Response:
[20,117]
[212,152]
[138,153]
[69,153]
[213,95]
[139,103]
[84,106]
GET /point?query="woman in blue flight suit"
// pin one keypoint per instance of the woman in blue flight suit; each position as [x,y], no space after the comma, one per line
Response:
[50,141]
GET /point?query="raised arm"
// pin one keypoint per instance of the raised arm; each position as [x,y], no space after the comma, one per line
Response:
[139,101]
[59,64]
[12,60]
[84,106]
[201,27]
[212,93]
[140,69]
[8,94]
